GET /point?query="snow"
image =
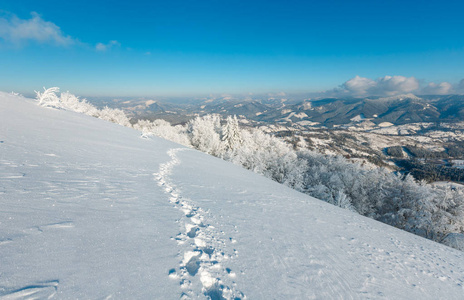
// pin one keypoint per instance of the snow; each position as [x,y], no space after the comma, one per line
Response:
[89,209]
[307,123]
[449,184]
[358,118]
[385,124]
[307,105]
[149,102]
[455,240]
[301,115]
[458,163]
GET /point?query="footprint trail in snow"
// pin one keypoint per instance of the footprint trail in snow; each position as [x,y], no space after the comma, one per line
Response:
[202,256]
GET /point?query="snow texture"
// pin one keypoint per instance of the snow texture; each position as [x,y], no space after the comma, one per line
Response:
[90,210]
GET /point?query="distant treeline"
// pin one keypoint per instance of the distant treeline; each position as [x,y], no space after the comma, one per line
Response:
[452,150]
[428,165]
[431,172]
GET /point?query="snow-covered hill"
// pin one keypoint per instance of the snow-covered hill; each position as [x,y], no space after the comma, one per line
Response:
[90,210]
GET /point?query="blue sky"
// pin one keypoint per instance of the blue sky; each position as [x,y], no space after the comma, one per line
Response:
[149,48]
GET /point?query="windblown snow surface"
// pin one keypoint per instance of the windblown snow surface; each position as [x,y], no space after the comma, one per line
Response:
[90,210]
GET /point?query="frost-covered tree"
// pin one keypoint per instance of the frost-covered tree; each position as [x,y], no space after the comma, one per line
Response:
[231,134]
[163,129]
[204,133]
[71,102]
[68,101]
[48,97]
[269,156]
[114,115]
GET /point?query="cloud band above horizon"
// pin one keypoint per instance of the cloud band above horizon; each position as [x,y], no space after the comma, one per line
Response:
[393,85]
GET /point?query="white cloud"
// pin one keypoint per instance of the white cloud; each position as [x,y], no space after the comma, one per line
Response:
[109,45]
[17,31]
[394,85]
[358,85]
[443,88]
[384,86]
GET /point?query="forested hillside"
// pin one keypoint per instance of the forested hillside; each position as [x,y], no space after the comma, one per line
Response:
[434,212]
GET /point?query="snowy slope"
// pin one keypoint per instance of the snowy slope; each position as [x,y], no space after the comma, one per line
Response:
[90,210]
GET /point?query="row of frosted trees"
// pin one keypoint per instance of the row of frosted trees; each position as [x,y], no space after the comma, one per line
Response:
[436,213]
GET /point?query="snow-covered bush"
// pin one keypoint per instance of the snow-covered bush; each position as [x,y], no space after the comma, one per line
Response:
[114,115]
[163,129]
[68,101]
[267,155]
[71,102]
[49,98]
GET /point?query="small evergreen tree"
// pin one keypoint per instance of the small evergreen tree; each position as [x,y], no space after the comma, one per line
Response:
[231,134]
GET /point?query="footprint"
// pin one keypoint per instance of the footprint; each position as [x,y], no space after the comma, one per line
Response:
[13,175]
[215,293]
[192,231]
[43,290]
[230,273]
[60,225]
[5,241]
[173,274]
[203,260]
[208,250]
[193,266]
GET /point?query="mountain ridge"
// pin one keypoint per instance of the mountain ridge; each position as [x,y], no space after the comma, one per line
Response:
[328,112]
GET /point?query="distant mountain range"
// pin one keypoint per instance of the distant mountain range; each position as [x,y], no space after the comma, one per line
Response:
[327,112]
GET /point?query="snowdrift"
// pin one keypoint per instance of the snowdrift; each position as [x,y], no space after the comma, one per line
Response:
[91,210]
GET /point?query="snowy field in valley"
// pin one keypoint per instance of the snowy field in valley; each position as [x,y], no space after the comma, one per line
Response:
[90,210]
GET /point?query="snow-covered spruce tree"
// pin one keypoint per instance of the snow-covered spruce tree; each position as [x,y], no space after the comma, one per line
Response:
[231,134]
